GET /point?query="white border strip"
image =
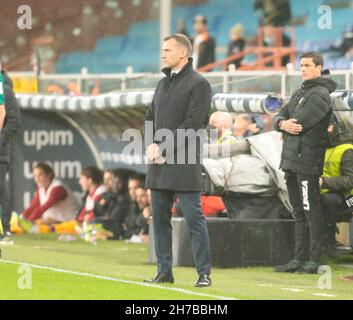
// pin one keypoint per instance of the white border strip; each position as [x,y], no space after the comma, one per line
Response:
[143,284]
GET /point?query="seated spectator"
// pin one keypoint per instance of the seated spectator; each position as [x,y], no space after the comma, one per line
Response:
[53,201]
[129,225]
[141,219]
[204,45]
[252,185]
[222,122]
[237,44]
[112,209]
[345,47]
[91,180]
[244,126]
[337,180]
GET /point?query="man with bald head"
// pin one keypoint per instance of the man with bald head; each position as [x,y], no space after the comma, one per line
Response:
[222,122]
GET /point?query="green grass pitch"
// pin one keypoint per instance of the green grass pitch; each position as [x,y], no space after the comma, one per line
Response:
[115,270]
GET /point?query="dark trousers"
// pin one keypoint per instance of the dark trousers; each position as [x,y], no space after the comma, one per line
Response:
[304,194]
[334,209]
[162,202]
[4,197]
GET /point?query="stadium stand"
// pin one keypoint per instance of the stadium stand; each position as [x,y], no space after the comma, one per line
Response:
[108,35]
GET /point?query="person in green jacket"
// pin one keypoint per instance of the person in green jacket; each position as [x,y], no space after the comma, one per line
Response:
[337,180]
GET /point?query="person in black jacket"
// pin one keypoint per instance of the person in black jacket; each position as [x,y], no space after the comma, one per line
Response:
[304,122]
[237,44]
[180,106]
[8,132]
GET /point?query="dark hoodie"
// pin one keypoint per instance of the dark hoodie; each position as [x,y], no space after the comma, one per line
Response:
[311,106]
[343,134]
[12,120]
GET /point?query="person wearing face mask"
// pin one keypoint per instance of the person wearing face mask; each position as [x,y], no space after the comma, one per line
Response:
[337,180]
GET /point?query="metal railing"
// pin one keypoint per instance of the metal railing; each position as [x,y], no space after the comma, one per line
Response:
[282,82]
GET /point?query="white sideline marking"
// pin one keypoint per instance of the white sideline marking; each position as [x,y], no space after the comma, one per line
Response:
[83,274]
[324,295]
[292,289]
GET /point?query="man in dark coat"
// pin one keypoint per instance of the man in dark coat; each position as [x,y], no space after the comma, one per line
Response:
[304,122]
[8,132]
[181,103]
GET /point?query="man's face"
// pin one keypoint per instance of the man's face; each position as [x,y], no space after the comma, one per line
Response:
[172,54]
[108,180]
[330,129]
[40,178]
[141,198]
[309,70]
[199,26]
[85,183]
[132,186]
[240,124]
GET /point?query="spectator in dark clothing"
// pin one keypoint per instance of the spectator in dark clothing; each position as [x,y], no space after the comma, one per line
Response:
[112,209]
[204,45]
[304,122]
[139,219]
[10,129]
[337,180]
[181,28]
[237,44]
[276,13]
[270,41]
[345,46]
[129,225]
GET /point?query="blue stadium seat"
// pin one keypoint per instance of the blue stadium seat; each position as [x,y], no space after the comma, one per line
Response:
[116,53]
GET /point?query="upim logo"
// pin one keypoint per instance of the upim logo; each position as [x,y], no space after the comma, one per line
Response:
[325,281]
[25,280]
[43,138]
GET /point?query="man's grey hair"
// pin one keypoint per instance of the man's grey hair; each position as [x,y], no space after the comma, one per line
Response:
[182,40]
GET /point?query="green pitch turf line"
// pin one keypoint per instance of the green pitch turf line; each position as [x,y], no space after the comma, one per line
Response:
[101,277]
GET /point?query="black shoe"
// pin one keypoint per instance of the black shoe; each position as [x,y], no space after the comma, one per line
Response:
[161,278]
[291,266]
[310,268]
[203,281]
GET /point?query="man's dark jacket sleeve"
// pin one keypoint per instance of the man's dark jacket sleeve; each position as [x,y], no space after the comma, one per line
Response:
[13,117]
